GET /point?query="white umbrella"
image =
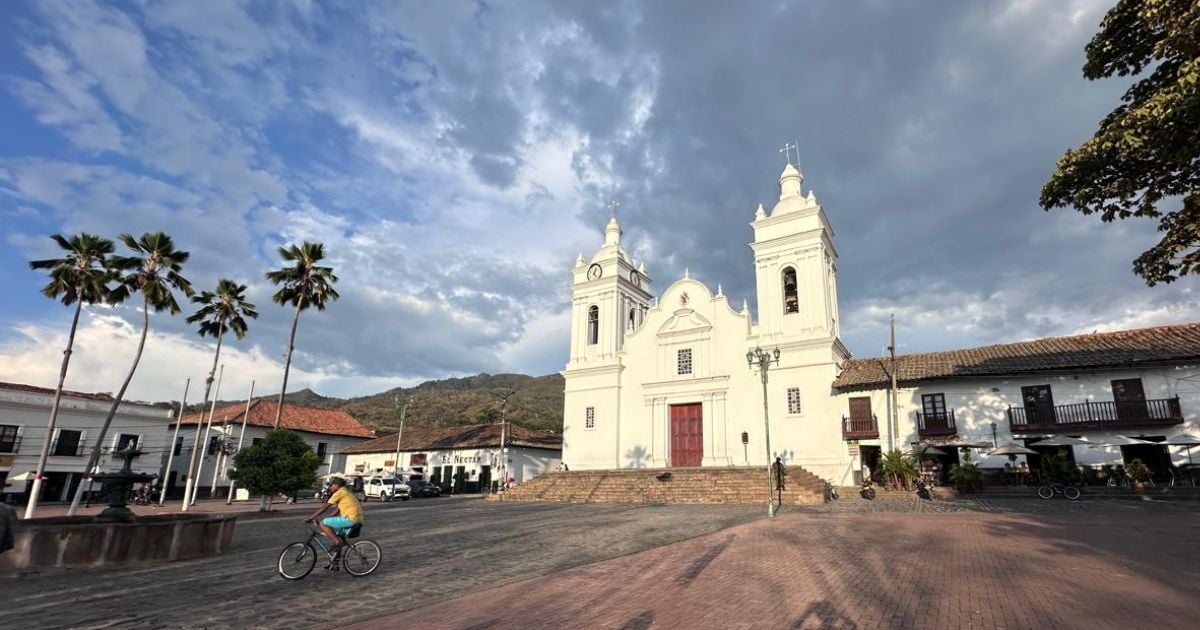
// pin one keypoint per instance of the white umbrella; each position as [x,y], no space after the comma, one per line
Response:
[1121,440]
[1065,440]
[1012,448]
[1186,440]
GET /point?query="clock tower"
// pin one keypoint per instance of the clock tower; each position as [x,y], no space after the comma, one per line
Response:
[610,298]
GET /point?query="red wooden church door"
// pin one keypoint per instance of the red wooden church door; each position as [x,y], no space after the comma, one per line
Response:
[687,435]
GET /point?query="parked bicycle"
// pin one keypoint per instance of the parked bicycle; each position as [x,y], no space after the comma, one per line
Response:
[831,493]
[359,559]
[1051,488]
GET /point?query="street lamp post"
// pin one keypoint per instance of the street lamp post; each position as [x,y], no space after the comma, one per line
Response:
[763,360]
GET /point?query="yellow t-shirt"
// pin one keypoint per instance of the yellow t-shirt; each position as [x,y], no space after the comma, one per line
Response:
[347,504]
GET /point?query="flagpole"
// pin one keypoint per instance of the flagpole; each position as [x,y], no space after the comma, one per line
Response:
[166,476]
[241,437]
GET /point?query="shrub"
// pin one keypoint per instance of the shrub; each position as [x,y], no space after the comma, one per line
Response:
[966,477]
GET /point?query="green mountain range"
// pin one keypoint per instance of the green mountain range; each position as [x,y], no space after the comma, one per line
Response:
[535,402]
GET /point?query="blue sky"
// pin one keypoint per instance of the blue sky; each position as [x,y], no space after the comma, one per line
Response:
[455,156]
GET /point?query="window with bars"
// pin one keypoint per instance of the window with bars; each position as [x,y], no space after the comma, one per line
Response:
[589,421]
[8,438]
[684,360]
[321,451]
[127,441]
[793,397]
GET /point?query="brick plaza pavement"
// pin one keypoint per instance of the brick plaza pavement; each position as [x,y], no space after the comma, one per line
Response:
[1086,565]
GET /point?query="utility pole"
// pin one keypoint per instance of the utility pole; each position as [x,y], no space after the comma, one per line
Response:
[894,413]
[401,410]
[503,394]
[241,437]
[166,475]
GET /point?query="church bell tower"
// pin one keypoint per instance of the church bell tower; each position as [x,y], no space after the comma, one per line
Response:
[795,265]
[610,298]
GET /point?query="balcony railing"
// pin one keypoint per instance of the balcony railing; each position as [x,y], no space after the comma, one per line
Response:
[939,423]
[859,428]
[1106,414]
[10,444]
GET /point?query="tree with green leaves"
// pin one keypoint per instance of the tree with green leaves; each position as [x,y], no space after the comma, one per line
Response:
[154,270]
[224,309]
[282,463]
[1146,151]
[81,277]
[302,283]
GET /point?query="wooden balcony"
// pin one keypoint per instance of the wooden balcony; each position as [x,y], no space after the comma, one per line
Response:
[860,428]
[940,424]
[1096,415]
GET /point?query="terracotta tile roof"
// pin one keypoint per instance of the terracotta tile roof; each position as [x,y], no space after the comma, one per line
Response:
[295,417]
[470,436]
[20,387]
[1096,350]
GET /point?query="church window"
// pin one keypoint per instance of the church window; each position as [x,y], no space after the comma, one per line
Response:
[589,421]
[593,325]
[685,361]
[791,302]
[793,394]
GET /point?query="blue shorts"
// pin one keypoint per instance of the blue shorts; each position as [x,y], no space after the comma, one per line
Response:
[339,524]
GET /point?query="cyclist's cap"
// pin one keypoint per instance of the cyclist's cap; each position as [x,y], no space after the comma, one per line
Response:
[337,481]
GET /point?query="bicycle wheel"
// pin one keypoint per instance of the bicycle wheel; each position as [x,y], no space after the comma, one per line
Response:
[1046,492]
[362,558]
[296,561]
[1071,492]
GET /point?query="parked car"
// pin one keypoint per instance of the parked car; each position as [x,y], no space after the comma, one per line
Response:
[422,488]
[386,489]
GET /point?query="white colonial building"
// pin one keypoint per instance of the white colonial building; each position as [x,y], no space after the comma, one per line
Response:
[24,412]
[666,383]
[326,431]
[467,458]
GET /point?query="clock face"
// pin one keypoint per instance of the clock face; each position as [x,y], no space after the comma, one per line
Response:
[594,272]
[635,278]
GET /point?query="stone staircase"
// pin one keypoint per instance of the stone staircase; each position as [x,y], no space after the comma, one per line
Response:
[733,485]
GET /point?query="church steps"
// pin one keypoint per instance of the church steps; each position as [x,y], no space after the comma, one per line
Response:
[733,485]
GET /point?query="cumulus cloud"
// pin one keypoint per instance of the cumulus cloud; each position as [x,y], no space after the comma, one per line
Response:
[455,157]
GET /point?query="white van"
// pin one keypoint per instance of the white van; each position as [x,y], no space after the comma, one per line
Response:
[385,489]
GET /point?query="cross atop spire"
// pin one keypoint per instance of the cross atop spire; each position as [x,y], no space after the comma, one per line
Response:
[787,149]
[612,207]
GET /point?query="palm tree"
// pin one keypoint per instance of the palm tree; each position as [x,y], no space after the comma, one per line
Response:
[225,309]
[82,277]
[154,271]
[305,284]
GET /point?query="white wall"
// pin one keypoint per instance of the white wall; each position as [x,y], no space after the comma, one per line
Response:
[977,403]
[333,460]
[30,411]
[523,463]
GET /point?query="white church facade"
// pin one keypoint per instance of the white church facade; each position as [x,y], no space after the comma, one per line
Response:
[659,383]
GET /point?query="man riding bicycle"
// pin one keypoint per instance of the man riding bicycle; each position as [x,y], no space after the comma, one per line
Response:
[348,513]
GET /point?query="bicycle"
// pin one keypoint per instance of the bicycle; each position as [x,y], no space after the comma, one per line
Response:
[1050,488]
[359,559]
[831,493]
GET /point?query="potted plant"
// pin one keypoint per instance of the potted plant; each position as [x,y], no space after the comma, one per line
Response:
[966,477]
[898,468]
[1138,473]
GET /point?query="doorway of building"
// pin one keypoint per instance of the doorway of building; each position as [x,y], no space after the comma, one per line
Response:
[870,460]
[485,479]
[687,435]
[1156,457]
[460,479]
